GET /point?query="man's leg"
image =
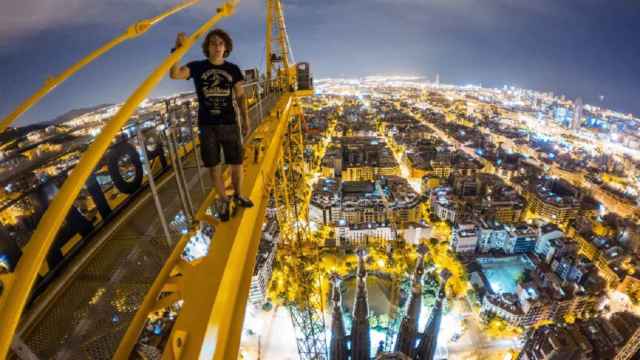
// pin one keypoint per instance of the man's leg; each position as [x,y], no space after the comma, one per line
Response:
[218,181]
[210,150]
[236,178]
[234,155]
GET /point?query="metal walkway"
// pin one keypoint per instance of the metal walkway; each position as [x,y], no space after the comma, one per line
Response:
[84,314]
[88,317]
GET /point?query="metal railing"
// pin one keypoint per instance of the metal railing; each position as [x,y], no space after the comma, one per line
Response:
[114,263]
[16,286]
[212,290]
[107,191]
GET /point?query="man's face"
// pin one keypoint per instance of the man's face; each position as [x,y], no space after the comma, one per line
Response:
[216,47]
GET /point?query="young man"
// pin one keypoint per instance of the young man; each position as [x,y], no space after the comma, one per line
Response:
[219,88]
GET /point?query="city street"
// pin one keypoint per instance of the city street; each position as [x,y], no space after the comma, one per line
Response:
[268,335]
[610,203]
[474,341]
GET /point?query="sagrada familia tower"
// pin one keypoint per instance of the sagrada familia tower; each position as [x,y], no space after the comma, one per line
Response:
[410,342]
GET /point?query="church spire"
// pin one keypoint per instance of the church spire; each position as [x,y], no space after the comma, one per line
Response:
[338,346]
[408,332]
[429,340]
[360,337]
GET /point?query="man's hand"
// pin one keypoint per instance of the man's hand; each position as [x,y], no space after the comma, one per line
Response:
[238,90]
[178,72]
[180,39]
[245,128]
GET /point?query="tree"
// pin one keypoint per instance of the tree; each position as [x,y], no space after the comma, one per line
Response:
[524,277]
[433,241]
[384,320]
[569,318]
[497,327]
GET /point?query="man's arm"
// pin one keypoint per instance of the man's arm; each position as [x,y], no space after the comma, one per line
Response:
[241,97]
[178,72]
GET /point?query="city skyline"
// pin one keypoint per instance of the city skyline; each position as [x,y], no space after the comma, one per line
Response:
[485,208]
[580,50]
[534,228]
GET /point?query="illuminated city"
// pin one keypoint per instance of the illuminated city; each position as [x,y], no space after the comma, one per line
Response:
[391,217]
[526,248]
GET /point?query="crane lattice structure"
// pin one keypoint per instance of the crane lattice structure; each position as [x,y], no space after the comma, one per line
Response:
[279,55]
[290,194]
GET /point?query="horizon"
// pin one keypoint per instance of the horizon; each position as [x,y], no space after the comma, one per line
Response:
[387,77]
[580,49]
[481,158]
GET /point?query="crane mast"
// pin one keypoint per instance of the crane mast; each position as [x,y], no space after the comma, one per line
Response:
[277,48]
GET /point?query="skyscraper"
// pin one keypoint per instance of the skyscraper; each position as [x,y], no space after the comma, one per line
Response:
[577,115]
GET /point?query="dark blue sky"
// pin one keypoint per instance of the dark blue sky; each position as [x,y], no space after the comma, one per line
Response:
[581,48]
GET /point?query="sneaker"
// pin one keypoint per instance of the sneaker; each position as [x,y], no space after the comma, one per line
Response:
[223,210]
[242,201]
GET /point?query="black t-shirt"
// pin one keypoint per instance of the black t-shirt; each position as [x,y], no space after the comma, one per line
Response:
[214,86]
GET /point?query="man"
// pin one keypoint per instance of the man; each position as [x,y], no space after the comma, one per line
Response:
[219,88]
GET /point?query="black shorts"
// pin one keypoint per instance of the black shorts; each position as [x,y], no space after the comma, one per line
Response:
[214,138]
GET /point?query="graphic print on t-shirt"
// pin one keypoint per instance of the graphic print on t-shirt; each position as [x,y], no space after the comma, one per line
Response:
[216,88]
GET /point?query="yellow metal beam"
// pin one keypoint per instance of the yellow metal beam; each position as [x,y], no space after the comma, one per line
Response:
[150,300]
[51,83]
[162,282]
[282,35]
[206,318]
[236,306]
[202,282]
[14,296]
[269,36]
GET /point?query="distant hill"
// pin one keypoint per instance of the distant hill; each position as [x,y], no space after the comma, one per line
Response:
[74,114]
[14,133]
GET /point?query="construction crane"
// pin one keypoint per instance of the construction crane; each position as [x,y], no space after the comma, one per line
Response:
[292,194]
[210,292]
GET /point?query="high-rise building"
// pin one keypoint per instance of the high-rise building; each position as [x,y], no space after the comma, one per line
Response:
[464,238]
[577,115]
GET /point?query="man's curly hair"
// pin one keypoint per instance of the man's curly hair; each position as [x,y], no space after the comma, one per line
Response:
[228,43]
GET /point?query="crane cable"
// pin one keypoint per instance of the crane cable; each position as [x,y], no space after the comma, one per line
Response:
[286,35]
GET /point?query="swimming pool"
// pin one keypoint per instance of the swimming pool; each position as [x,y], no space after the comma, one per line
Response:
[503,273]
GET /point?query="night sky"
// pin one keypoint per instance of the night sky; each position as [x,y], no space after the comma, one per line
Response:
[581,48]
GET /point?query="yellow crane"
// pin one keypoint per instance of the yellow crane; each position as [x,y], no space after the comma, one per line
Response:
[15,287]
[287,72]
[211,291]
